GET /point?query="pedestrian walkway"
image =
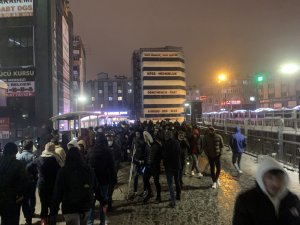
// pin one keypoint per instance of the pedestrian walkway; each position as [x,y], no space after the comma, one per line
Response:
[200,204]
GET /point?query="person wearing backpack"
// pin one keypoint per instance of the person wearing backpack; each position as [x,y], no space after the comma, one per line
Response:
[74,188]
[13,185]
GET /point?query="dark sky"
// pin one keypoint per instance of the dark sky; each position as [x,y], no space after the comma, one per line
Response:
[239,36]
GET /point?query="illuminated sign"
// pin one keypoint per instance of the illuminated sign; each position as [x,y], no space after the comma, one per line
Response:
[161,54]
[20,82]
[116,113]
[16,8]
[232,102]
[66,66]
[164,92]
[164,111]
[4,128]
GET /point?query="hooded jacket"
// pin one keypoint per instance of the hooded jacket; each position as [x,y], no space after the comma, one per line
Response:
[237,141]
[213,144]
[257,207]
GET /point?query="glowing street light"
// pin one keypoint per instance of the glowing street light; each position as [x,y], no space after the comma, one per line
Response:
[82,98]
[222,77]
[289,68]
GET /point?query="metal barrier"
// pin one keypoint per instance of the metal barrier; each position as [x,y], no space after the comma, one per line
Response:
[266,143]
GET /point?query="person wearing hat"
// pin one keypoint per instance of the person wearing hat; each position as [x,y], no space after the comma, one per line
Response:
[29,202]
[213,146]
[269,202]
[47,165]
[13,185]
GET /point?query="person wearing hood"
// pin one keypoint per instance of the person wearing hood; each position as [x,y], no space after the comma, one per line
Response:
[270,202]
[72,143]
[237,144]
[47,166]
[213,146]
[13,185]
[58,149]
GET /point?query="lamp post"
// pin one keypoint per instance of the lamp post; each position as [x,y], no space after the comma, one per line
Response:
[222,78]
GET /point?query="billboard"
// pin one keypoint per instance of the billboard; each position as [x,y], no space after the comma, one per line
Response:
[164,110]
[165,92]
[16,8]
[4,128]
[162,54]
[20,82]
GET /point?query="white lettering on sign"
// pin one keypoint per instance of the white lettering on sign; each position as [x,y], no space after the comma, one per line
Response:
[163,111]
[16,8]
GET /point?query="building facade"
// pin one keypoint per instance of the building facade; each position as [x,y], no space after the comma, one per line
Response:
[159,83]
[110,95]
[79,70]
[35,62]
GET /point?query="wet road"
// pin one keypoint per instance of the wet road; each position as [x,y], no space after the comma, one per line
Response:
[200,204]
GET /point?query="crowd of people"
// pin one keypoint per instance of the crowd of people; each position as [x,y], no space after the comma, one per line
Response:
[74,174]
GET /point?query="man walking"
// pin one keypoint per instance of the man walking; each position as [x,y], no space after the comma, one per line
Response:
[213,145]
[237,143]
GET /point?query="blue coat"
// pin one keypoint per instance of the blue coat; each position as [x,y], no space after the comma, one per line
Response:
[237,141]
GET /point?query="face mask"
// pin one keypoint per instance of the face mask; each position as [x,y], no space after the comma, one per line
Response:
[110,143]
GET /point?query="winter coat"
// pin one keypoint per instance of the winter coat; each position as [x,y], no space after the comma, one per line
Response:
[47,168]
[13,180]
[156,157]
[26,157]
[195,145]
[101,160]
[213,145]
[237,141]
[139,145]
[257,207]
[171,155]
[74,188]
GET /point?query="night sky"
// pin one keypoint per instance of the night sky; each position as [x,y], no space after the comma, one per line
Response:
[236,36]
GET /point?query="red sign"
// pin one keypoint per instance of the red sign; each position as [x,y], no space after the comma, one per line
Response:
[203,97]
[4,128]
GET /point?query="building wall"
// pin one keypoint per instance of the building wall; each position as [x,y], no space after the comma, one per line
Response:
[159,83]
[110,94]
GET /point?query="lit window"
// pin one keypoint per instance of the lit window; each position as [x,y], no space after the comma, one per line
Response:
[100,91]
[120,98]
[110,98]
[129,91]
[93,99]
[120,91]
[101,106]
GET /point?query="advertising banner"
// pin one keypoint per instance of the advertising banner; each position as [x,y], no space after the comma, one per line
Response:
[16,8]
[4,128]
[162,54]
[20,82]
[163,73]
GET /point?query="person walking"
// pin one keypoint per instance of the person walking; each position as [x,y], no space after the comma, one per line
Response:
[29,201]
[74,188]
[101,160]
[13,185]
[184,149]
[213,145]
[195,147]
[269,202]
[47,166]
[172,163]
[237,144]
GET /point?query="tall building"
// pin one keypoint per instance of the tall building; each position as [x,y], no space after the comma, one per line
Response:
[35,62]
[79,69]
[159,83]
[110,95]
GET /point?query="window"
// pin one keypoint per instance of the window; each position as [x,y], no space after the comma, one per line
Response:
[120,91]
[16,44]
[110,99]
[101,106]
[100,91]
[120,98]
[129,91]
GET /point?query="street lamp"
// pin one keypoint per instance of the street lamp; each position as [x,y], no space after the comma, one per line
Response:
[81,99]
[289,68]
[222,77]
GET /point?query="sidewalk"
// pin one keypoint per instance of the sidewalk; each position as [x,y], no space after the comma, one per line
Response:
[199,203]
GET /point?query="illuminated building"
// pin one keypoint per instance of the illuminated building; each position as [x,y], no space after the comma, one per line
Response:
[159,83]
[35,63]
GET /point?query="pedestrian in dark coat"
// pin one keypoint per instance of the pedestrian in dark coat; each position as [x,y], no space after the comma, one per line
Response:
[13,185]
[213,146]
[237,144]
[101,160]
[29,201]
[74,188]
[270,202]
[47,166]
[172,163]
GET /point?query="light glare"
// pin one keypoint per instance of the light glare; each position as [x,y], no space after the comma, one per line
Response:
[289,68]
